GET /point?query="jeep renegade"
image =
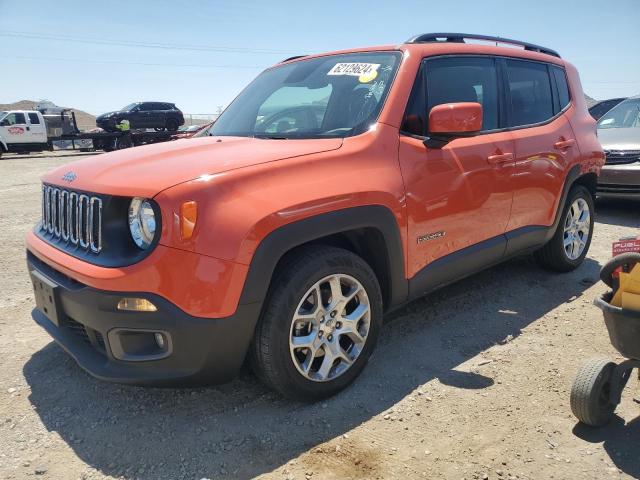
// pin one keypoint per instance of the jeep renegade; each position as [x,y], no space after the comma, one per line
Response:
[334,188]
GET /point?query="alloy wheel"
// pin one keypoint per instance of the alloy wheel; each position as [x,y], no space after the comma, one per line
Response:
[330,327]
[577,228]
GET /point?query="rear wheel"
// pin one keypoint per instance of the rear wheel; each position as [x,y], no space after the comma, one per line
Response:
[591,392]
[320,323]
[569,245]
[172,125]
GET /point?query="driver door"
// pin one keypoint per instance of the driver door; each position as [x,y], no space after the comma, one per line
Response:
[458,196]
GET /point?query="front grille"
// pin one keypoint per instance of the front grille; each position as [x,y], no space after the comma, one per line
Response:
[72,217]
[622,157]
[77,329]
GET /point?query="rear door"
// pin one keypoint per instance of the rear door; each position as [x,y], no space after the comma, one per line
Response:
[13,128]
[459,195]
[544,140]
[37,132]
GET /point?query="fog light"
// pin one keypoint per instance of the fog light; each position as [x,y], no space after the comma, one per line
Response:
[160,340]
[136,305]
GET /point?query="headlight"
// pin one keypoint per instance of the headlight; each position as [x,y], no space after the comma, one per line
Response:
[142,222]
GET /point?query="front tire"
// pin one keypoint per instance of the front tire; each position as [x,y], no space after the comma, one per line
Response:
[320,323]
[569,245]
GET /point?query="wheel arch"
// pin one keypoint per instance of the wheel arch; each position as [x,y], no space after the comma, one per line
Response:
[369,231]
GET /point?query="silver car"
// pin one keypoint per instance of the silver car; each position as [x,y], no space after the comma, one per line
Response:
[619,134]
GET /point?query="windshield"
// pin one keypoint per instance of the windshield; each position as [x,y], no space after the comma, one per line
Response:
[623,115]
[129,107]
[332,96]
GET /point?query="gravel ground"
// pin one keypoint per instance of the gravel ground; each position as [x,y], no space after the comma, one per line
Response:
[471,382]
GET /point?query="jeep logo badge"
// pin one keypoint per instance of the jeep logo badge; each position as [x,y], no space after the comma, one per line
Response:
[69,177]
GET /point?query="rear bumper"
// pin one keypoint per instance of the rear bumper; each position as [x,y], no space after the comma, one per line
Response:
[202,350]
[620,181]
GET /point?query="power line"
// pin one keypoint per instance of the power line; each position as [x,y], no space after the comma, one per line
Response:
[118,62]
[130,43]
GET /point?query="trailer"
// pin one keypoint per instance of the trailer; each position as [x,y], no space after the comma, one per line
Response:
[25,131]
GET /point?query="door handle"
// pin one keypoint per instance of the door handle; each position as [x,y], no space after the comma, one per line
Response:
[28,128]
[564,144]
[500,158]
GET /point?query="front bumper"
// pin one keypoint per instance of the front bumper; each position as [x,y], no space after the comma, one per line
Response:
[202,350]
[621,181]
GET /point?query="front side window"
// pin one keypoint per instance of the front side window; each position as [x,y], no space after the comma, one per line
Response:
[326,97]
[14,119]
[530,89]
[623,115]
[464,79]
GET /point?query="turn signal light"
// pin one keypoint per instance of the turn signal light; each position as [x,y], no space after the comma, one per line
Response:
[136,305]
[188,218]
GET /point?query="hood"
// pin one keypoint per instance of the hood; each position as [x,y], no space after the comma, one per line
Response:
[145,171]
[619,138]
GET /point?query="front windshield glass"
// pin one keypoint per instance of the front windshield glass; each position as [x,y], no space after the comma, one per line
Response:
[623,115]
[129,107]
[325,97]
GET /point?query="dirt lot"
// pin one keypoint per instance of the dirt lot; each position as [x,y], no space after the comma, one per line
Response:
[471,382]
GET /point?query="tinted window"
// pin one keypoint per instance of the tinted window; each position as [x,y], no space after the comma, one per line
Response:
[464,79]
[415,117]
[14,119]
[147,107]
[563,88]
[531,100]
[33,118]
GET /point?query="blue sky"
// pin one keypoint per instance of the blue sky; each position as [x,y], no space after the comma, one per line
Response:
[199,54]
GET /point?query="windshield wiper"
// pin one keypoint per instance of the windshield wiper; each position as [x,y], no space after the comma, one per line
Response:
[271,137]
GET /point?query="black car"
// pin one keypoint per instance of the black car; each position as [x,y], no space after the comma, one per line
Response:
[599,109]
[157,115]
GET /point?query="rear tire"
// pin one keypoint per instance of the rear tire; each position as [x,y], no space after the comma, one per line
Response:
[570,244]
[328,300]
[590,392]
[172,125]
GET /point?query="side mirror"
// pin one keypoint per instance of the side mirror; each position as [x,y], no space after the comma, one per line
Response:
[450,120]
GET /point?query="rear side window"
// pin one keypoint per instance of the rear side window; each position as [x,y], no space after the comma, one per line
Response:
[561,84]
[530,90]
[464,79]
[33,118]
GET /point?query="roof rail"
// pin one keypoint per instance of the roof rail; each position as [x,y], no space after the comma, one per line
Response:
[459,38]
[295,57]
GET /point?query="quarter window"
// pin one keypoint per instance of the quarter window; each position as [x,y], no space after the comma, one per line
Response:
[530,90]
[561,84]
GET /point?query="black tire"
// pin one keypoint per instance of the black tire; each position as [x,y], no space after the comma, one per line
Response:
[590,392]
[172,125]
[270,356]
[553,256]
[625,260]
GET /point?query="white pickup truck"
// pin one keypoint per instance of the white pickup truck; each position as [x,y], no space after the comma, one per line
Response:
[22,131]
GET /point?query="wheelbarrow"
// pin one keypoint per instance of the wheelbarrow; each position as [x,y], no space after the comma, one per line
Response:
[598,386]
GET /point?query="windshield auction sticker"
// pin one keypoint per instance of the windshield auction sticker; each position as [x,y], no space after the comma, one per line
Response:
[355,69]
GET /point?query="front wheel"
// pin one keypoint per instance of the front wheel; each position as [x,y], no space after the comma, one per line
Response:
[320,323]
[172,125]
[570,243]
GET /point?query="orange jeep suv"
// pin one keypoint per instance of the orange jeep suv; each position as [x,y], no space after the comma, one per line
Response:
[334,188]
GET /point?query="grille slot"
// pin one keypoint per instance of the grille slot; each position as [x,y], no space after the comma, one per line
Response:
[622,157]
[77,329]
[72,217]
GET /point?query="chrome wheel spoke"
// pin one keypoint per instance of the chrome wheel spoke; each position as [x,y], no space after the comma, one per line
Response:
[330,328]
[577,227]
